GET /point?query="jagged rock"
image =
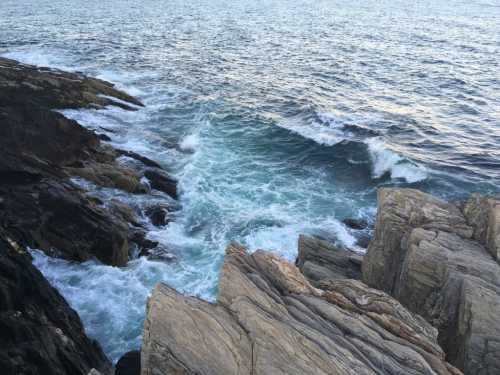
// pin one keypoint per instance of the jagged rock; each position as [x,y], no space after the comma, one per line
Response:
[51,88]
[144,160]
[158,215]
[320,260]
[161,181]
[129,364]
[39,332]
[57,217]
[483,214]
[426,255]
[357,224]
[268,319]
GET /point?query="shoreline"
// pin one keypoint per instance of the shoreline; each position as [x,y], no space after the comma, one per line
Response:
[324,306]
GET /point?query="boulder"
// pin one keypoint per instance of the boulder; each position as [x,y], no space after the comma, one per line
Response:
[161,181]
[39,332]
[437,261]
[357,224]
[158,215]
[269,319]
[320,260]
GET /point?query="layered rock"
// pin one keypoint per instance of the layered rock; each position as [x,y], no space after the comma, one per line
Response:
[269,319]
[437,261]
[39,332]
[320,261]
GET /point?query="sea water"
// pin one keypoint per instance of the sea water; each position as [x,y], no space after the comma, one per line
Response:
[277,118]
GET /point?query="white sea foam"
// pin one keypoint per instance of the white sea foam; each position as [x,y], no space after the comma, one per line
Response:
[386,161]
[190,142]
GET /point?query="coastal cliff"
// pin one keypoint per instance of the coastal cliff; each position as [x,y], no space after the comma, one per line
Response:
[423,300]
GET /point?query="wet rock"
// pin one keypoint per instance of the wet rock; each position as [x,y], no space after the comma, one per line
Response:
[158,215]
[269,319]
[357,224]
[129,364]
[438,262]
[57,217]
[160,253]
[161,181]
[320,260]
[363,240]
[39,332]
[55,89]
[144,160]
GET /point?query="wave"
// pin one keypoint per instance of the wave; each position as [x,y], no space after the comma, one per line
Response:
[385,161]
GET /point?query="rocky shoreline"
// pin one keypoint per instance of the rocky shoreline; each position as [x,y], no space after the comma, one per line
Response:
[423,300]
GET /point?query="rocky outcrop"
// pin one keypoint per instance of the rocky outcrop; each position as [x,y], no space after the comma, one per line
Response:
[39,332]
[321,261]
[129,364]
[269,319]
[40,149]
[437,260]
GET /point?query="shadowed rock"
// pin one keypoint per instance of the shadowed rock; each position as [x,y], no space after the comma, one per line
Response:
[269,319]
[39,332]
[438,262]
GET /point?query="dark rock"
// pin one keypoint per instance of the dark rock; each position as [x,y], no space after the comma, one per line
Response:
[57,217]
[103,137]
[158,215]
[54,89]
[268,319]
[320,260]
[160,253]
[437,262]
[39,332]
[144,160]
[161,181]
[129,364]
[357,224]
[363,240]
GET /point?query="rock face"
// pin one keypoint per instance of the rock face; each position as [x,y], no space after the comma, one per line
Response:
[437,261]
[40,150]
[269,319]
[39,332]
[321,261]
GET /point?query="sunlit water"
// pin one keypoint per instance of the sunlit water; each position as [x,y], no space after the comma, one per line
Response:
[277,117]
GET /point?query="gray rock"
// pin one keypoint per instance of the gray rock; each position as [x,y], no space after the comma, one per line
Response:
[427,256]
[269,319]
[320,260]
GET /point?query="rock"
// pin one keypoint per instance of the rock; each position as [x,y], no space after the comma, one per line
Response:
[357,224]
[158,215]
[55,89]
[129,364]
[433,260]
[483,214]
[159,180]
[363,240]
[159,253]
[320,260]
[58,218]
[268,319]
[144,160]
[39,332]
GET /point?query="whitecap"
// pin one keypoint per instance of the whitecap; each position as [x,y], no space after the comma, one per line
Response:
[385,161]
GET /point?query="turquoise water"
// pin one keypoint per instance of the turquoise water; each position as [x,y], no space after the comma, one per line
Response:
[277,117]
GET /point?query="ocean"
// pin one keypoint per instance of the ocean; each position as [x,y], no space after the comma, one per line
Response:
[277,118]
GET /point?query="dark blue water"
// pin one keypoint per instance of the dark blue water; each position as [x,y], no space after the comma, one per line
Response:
[278,118]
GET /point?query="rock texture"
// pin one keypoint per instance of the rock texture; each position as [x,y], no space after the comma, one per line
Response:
[437,260]
[39,332]
[40,150]
[321,261]
[269,319]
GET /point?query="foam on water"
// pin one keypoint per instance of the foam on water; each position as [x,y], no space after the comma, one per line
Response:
[387,161]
